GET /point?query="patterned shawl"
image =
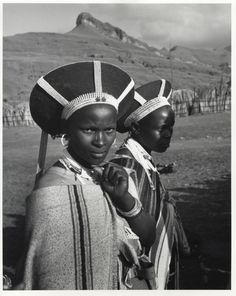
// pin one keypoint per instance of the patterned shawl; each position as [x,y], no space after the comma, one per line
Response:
[73,236]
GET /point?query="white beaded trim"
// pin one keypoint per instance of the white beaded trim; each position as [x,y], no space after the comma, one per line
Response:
[145,109]
[88,99]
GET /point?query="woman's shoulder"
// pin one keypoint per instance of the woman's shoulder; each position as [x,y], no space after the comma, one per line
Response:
[54,176]
[125,158]
[124,151]
[51,187]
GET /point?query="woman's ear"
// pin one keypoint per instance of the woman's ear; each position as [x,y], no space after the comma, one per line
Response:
[135,128]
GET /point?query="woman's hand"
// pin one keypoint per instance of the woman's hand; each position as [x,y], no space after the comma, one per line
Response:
[114,181]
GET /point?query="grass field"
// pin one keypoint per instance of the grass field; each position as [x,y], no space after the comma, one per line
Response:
[201,185]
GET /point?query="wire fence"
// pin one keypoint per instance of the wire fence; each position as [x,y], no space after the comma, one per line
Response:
[185,102]
[17,116]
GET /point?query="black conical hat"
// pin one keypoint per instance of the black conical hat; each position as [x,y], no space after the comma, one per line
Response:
[143,95]
[64,84]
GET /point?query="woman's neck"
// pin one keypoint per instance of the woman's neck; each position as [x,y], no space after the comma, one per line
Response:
[140,143]
[77,159]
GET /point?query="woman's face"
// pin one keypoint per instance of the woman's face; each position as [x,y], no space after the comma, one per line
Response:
[154,131]
[91,132]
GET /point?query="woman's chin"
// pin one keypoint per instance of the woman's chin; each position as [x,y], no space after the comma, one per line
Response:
[96,160]
[161,149]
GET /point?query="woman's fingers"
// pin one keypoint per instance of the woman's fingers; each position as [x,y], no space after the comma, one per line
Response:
[106,172]
[114,173]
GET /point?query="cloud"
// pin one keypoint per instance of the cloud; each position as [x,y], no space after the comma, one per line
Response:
[189,25]
[194,25]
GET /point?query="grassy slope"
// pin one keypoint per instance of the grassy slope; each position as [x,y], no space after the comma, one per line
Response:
[28,56]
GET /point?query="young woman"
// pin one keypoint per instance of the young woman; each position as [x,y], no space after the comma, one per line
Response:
[150,123]
[81,212]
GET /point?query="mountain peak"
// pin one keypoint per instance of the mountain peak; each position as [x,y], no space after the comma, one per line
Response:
[87,20]
[84,17]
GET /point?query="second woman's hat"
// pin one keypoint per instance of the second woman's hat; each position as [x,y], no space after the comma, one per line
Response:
[61,92]
[147,98]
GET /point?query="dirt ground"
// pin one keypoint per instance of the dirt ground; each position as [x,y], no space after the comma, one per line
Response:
[200,183]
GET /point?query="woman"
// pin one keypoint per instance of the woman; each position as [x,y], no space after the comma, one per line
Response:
[75,238]
[150,123]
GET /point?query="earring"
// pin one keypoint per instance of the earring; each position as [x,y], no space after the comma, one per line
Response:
[63,139]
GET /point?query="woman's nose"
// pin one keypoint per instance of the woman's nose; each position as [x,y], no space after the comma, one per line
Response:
[167,133]
[99,139]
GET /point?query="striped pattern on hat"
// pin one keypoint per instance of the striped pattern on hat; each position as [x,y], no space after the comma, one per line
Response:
[147,98]
[63,91]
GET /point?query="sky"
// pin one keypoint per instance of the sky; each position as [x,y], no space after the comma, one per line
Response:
[195,25]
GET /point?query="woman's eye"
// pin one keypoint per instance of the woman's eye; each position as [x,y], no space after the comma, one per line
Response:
[88,131]
[161,130]
[110,130]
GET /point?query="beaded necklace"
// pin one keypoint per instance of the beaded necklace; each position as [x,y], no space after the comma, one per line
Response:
[80,173]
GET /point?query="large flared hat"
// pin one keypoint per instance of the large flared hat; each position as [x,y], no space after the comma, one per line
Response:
[147,98]
[61,92]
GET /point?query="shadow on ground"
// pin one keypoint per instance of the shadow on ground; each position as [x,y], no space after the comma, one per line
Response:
[206,214]
[13,243]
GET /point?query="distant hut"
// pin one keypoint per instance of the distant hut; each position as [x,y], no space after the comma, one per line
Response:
[205,98]
[178,103]
[214,97]
[7,115]
[196,107]
[188,96]
[227,97]
[23,115]
[18,115]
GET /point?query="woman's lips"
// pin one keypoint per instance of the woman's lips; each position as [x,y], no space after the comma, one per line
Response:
[98,154]
[164,145]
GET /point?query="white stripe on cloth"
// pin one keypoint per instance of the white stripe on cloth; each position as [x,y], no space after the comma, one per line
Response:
[140,154]
[165,226]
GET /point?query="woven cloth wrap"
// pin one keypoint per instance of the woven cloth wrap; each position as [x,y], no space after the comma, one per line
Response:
[74,236]
[169,228]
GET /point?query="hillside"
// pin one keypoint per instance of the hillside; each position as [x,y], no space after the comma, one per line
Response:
[217,58]
[28,56]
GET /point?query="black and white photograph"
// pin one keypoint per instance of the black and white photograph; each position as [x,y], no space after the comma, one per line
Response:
[116,146]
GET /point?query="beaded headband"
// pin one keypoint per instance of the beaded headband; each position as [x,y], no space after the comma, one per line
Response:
[88,99]
[97,97]
[147,106]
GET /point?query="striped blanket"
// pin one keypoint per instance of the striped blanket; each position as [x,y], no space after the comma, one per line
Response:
[74,236]
[169,230]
